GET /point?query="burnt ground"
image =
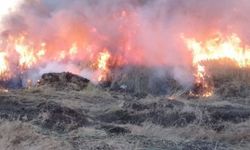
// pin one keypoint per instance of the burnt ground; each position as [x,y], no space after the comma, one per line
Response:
[62,114]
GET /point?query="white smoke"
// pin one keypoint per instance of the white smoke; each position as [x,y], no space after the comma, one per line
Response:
[7,7]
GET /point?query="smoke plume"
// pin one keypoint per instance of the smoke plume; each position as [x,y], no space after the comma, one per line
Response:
[135,32]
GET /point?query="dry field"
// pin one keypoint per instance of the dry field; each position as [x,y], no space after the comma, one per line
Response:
[62,114]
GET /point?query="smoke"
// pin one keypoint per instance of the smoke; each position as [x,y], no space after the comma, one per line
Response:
[140,32]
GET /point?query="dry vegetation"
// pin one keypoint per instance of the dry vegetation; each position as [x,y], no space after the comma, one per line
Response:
[17,135]
[230,81]
[94,118]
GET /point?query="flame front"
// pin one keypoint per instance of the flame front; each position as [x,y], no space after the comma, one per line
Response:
[24,54]
[28,55]
[86,44]
[217,48]
[84,47]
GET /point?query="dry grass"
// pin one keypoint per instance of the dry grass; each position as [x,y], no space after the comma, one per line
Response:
[93,91]
[238,135]
[99,139]
[225,71]
[228,78]
[18,135]
[23,136]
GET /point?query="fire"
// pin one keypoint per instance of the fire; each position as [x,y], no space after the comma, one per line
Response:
[73,50]
[104,57]
[4,68]
[42,51]
[80,45]
[27,55]
[217,48]
[27,58]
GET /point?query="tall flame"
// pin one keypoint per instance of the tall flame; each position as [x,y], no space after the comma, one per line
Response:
[4,68]
[28,54]
[220,47]
[217,48]
[103,65]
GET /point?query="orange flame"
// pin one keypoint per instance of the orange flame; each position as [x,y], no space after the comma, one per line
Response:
[218,48]
[30,54]
[81,45]
[104,57]
[4,68]
[27,58]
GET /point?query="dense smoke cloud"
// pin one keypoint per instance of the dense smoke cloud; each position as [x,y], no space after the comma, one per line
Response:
[142,32]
